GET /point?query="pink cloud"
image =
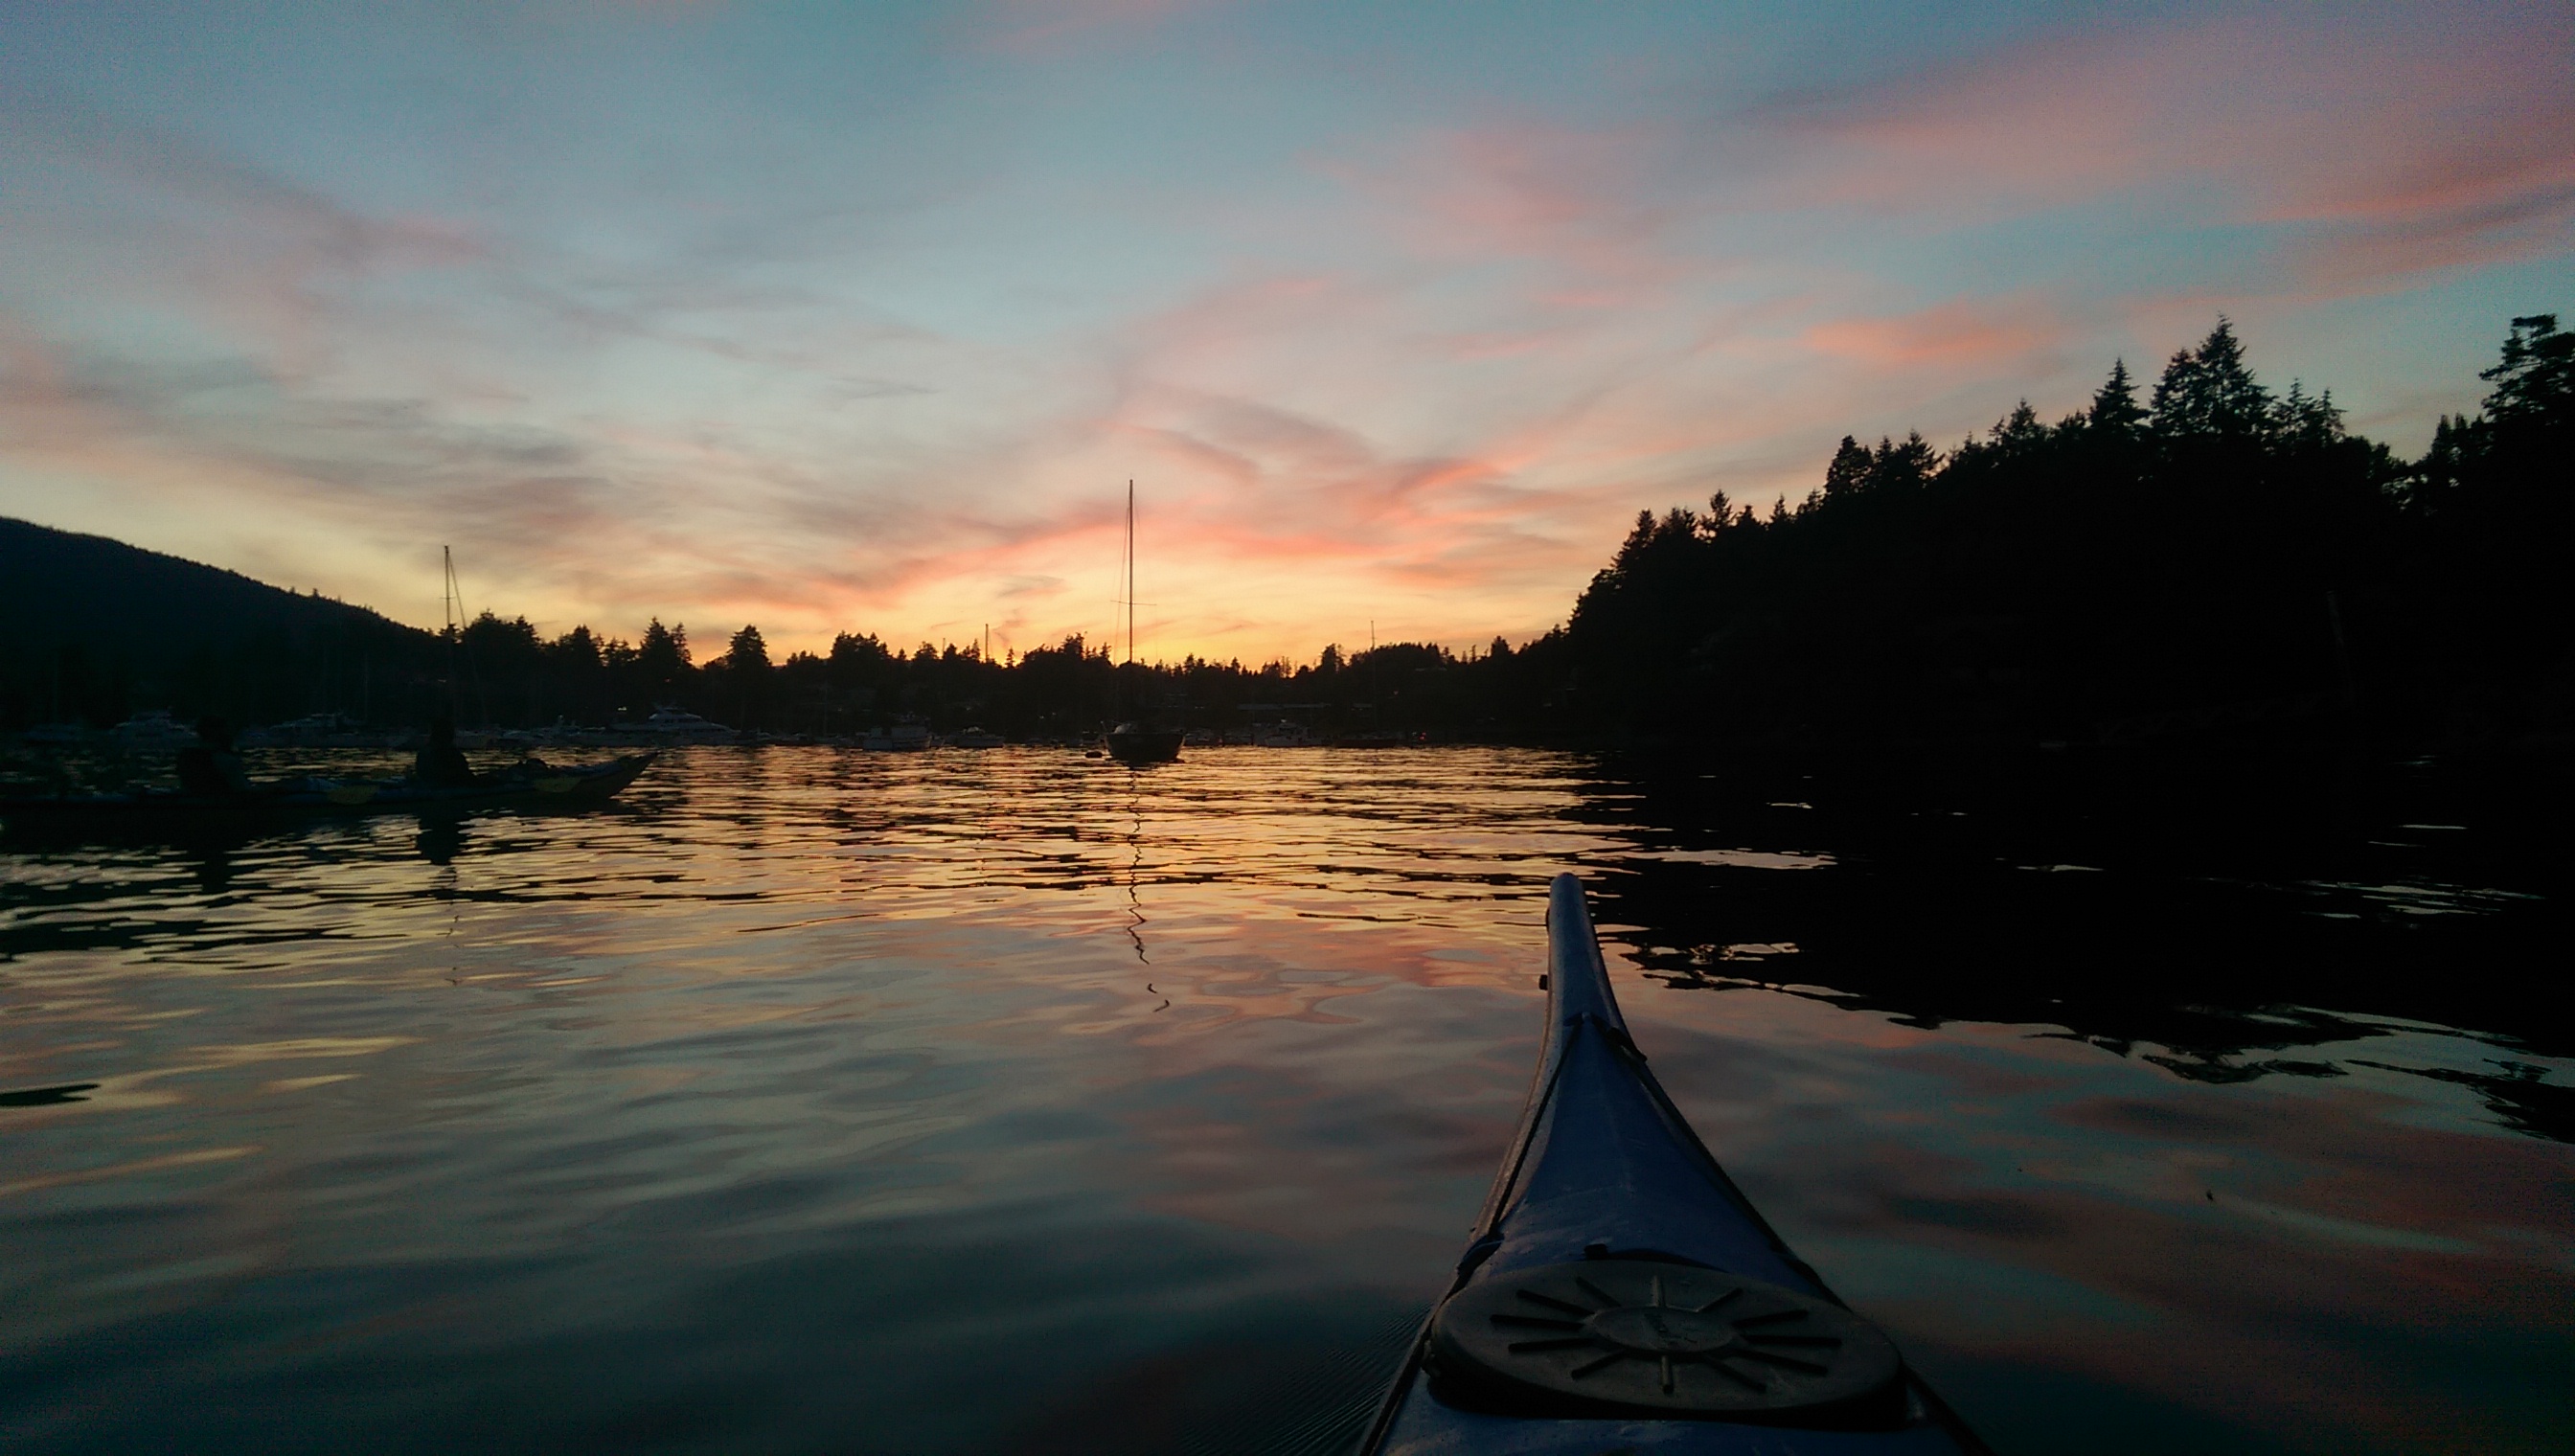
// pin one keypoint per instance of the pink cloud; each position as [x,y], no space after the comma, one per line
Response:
[1952,336]
[2420,138]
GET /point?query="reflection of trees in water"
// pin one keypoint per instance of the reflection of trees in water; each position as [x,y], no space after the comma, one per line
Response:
[2212,943]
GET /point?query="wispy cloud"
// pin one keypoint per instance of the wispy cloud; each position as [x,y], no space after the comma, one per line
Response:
[2412,137]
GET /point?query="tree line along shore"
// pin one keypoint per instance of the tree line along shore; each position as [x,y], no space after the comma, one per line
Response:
[2206,558]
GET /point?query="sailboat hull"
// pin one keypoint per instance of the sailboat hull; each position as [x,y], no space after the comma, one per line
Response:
[1144,745]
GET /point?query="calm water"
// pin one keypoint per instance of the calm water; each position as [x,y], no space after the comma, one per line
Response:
[823,1101]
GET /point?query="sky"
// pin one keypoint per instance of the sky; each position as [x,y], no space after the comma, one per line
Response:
[861,317]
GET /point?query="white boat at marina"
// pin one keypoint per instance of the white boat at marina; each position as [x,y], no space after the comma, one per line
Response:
[319,730]
[155,731]
[671,724]
[910,735]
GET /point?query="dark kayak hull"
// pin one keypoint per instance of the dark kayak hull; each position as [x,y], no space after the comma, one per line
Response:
[1621,1294]
[551,788]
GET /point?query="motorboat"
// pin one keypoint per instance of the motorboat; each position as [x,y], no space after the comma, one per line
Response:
[155,731]
[672,725]
[910,735]
[317,730]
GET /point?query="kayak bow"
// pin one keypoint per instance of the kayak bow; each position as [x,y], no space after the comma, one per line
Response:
[1621,1293]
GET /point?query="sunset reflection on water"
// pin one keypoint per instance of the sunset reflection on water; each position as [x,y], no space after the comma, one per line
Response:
[821,1100]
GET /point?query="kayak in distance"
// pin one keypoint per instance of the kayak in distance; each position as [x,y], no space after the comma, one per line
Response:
[531,783]
[1621,1294]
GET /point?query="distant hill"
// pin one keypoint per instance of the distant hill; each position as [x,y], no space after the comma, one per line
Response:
[97,629]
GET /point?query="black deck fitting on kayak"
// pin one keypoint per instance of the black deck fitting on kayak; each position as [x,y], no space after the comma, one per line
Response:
[1631,1337]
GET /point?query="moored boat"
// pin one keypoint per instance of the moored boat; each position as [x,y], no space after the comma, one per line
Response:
[1136,743]
[527,786]
[320,731]
[907,735]
[1621,1294]
[155,731]
[672,725]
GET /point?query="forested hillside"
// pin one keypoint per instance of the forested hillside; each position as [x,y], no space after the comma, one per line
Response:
[96,628]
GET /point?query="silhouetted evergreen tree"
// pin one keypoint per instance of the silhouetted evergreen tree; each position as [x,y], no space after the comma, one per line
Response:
[1846,473]
[748,653]
[2116,412]
[2210,394]
[2534,385]
[662,658]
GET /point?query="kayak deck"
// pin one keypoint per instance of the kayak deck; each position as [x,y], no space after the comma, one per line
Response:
[1620,1294]
[539,786]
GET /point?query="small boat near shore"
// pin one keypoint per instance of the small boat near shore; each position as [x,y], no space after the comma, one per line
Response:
[525,786]
[1621,1294]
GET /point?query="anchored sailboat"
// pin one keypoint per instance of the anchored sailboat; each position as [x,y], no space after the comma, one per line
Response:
[1137,740]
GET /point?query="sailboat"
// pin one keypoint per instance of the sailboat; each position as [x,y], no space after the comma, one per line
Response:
[1138,740]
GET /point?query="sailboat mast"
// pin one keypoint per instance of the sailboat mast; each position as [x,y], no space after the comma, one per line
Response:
[451,594]
[446,606]
[1131,572]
